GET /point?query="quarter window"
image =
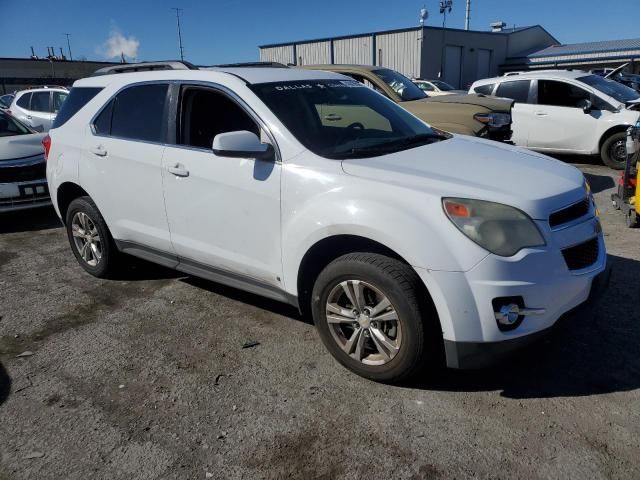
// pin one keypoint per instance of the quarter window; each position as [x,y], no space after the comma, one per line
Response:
[517,90]
[138,113]
[485,89]
[102,124]
[24,101]
[40,102]
[561,94]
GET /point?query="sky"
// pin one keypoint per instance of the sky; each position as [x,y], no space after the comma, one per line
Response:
[225,31]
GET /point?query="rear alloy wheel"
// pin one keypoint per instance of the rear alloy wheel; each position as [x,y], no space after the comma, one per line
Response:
[90,239]
[614,151]
[373,317]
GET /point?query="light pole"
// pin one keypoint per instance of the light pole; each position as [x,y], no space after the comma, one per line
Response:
[445,7]
[69,45]
[178,10]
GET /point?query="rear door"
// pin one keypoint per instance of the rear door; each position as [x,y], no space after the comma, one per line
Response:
[38,113]
[123,167]
[523,114]
[559,122]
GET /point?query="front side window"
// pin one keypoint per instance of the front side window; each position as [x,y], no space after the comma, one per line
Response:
[427,87]
[205,113]
[40,102]
[400,84]
[343,118]
[611,88]
[561,94]
[138,113]
[9,126]
[443,86]
[517,90]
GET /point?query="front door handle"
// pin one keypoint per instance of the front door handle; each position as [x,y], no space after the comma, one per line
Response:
[178,170]
[29,117]
[541,114]
[99,151]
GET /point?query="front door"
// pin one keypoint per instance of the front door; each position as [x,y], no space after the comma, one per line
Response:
[559,122]
[224,213]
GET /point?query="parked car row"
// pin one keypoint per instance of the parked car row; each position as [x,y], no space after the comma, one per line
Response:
[410,247]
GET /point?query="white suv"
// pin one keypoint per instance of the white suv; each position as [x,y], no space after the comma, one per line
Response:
[406,244]
[568,112]
[38,107]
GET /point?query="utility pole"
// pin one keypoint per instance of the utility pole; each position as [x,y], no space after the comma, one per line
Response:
[69,45]
[178,10]
[445,7]
[467,19]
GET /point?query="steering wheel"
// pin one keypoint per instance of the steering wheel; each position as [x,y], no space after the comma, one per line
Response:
[356,126]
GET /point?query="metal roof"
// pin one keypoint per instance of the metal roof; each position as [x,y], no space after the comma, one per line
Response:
[610,46]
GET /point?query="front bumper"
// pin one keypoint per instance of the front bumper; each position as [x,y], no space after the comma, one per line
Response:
[24,195]
[474,355]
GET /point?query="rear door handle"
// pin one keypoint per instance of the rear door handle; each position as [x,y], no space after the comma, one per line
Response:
[29,117]
[178,170]
[99,151]
[541,114]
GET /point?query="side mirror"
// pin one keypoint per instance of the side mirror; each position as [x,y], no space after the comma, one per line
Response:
[587,106]
[241,144]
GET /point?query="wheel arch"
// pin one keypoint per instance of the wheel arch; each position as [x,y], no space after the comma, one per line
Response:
[612,131]
[67,192]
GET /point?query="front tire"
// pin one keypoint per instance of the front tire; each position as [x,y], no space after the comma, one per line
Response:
[90,239]
[369,314]
[614,151]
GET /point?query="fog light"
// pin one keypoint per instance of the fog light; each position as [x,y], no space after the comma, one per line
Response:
[510,312]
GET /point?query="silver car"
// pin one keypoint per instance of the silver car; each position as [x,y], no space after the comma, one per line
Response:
[38,107]
[23,182]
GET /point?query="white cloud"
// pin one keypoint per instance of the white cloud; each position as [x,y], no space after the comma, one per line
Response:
[117,44]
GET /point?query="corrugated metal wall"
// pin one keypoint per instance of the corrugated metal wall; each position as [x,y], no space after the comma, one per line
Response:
[356,50]
[313,53]
[400,51]
[277,54]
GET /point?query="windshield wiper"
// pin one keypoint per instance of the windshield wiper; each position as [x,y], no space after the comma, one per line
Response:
[391,146]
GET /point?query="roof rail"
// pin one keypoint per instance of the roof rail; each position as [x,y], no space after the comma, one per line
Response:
[252,65]
[144,67]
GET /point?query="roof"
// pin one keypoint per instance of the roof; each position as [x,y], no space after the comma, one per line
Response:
[334,67]
[610,46]
[546,74]
[247,74]
[506,31]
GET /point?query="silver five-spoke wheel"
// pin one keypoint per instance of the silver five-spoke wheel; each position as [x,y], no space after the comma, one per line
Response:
[86,238]
[363,322]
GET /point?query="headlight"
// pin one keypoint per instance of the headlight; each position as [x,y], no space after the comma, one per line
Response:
[494,120]
[501,229]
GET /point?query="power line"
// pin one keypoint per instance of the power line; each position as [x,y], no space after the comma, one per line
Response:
[69,45]
[178,10]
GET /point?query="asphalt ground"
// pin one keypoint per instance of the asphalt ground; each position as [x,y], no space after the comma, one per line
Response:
[146,377]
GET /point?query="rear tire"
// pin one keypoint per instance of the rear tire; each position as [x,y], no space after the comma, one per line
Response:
[390,343]
[614,152]
[90,239]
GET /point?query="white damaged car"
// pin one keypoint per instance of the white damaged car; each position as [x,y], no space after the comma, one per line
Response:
[408,246]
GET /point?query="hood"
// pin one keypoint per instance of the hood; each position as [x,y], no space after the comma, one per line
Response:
[468,167]
[21,146]
[492,103]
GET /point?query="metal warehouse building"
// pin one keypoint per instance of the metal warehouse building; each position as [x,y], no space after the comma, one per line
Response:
[462,56]
[583,56]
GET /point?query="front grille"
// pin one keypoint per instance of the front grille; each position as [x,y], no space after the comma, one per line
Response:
[583,255]
[23,174]
[569,214]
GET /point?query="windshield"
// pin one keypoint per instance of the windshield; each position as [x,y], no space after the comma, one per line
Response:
[9,126]
[405,88]
[611,88]
[445,87]
[344,118]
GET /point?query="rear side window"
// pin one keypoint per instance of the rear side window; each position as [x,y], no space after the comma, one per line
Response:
[517,90]
[139,113]
[24,100]
[69,105]
[485,89]
[40,102]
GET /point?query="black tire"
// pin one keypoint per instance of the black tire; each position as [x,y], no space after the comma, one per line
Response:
[631,219]
[109,260]
[421,338]
[607,151]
